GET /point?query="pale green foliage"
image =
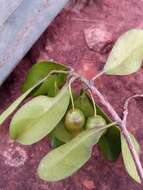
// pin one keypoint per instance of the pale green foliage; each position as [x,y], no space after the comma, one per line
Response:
[68,158]
[127,54]
[127,157]
[17,102]
[61,133]
[38,117]
[13,106]
[40,70]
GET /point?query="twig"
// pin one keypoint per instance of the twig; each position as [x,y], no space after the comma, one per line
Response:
[121,123]
[133,152]
[127,136]
[127,104]
[104,101]
[98,75]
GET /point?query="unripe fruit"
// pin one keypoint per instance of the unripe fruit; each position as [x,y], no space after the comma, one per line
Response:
[95,122]
[74,120]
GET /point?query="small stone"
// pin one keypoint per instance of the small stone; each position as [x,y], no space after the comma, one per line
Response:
[88,184]
[98,38]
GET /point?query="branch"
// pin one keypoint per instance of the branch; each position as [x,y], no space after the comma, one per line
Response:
[127,136]
[121,123]
[103,100]
[127,104]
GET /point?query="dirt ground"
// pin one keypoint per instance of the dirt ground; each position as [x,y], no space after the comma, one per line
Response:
[81,36]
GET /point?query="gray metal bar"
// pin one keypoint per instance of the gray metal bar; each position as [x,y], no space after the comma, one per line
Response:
[23,27]
[6,9]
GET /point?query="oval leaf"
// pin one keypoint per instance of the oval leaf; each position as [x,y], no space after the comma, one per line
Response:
[50,87]
[61,133]
[127,158]
[127,54]
[54,142]
[38,117]
[84,104]
[68,158]
[38,72]
[110,144]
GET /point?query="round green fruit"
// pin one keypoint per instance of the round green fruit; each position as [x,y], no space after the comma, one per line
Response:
[95,121]
[74,120]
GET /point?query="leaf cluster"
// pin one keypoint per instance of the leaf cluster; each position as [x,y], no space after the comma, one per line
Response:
[44,115]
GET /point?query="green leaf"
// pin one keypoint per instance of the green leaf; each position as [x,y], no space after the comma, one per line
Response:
[38,117]
[17,102]
[61,133]
[127,54]
[68,158]
[110,144]
[127,158]
[84,104]
[135,142]
[54,142]
[50,87]
[13,106]
[38,72]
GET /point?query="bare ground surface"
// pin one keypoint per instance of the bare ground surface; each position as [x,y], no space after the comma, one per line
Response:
[81,36]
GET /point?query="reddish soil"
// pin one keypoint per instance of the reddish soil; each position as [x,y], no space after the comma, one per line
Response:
[81,36]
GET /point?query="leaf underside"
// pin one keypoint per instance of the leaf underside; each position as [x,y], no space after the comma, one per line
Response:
[38,117]
[126,55]
[61,133]
[68,158]
[127,157]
